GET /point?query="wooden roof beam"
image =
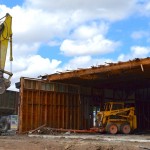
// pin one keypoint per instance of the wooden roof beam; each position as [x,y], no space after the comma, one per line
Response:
[102,69]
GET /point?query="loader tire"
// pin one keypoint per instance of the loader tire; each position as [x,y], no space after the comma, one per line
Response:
[125,128]
[4,125]
[112,128]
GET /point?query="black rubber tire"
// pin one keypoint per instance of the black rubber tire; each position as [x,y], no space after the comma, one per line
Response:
[125,128]
[112,128]
[4,124]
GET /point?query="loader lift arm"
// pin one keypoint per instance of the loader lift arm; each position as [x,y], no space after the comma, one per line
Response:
[5,38]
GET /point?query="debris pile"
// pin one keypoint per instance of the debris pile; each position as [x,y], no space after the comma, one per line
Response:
[45,130]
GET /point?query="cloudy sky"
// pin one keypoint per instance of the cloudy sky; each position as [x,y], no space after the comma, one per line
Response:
[51,36]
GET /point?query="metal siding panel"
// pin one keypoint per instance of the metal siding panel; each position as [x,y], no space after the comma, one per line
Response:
[62,109]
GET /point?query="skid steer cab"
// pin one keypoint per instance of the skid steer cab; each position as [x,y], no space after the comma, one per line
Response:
[116,118]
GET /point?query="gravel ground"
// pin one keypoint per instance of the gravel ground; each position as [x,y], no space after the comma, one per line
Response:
[69,141]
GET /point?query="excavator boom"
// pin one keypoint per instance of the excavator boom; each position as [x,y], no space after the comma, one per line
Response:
[5,38]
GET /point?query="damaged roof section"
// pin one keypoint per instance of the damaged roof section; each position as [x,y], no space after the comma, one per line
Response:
[124,74]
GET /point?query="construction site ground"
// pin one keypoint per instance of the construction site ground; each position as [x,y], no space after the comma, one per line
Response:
[72,141]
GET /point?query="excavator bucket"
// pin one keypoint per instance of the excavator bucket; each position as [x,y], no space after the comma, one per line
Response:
[2,87]
[4,83]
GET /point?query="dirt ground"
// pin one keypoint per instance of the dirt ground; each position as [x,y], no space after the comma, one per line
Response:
[75,142]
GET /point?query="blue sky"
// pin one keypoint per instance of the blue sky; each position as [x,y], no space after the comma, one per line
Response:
[67,34]
[11,3]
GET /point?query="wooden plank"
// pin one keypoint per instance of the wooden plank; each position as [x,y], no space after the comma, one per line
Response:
[63,110]
[54,111]
[51,109]
[100,69]
[32,117]
[67,111]
[70,111]
[78,111]
[46,107]
[58,111]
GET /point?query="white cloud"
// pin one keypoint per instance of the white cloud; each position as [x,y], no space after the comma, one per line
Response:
[138,51]
[36,65]
[32,66]
[89,40]
[4,10]
[135,52]
[95,45]
[84,62]
[23,50]
[36,25]
[111,10]
[88,31]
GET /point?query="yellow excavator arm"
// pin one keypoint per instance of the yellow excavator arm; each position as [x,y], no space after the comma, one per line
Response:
[5,38]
